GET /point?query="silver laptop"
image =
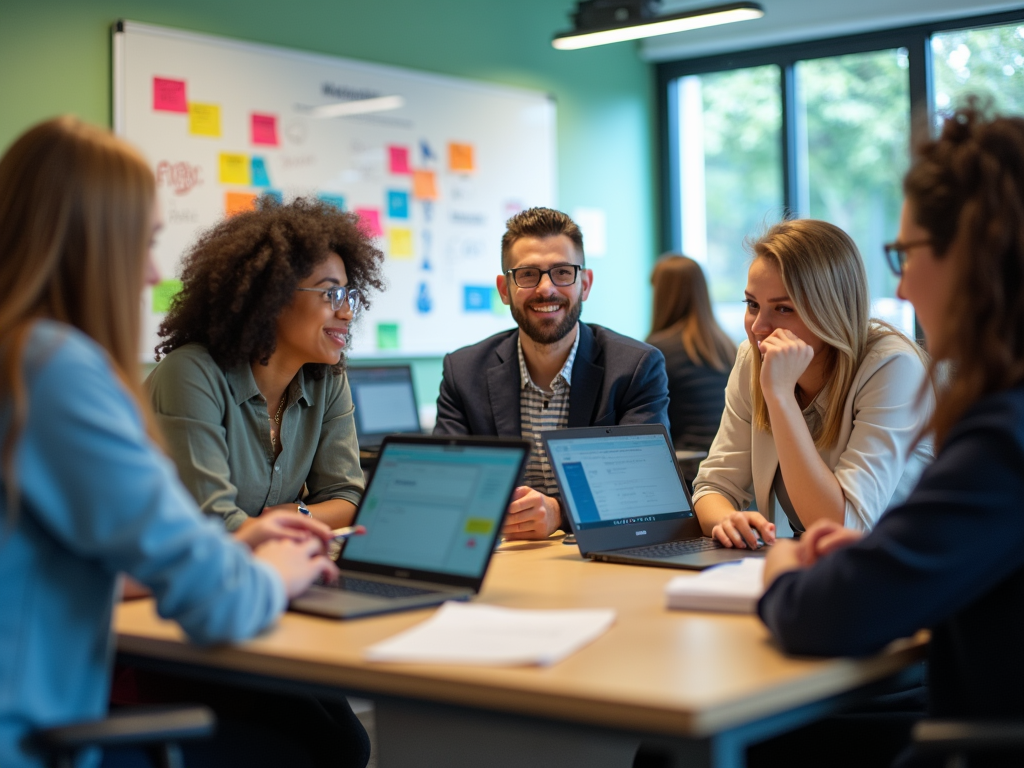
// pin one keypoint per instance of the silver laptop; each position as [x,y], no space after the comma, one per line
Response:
[626,499]
[385,403]
[433,513]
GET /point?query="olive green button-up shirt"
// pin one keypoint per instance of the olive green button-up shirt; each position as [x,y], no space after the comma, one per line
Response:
[218,433]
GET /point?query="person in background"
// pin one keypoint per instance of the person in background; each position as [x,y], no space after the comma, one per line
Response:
[85,492]
[251,392]
[551,372]
[951,557]
[698,354]
[822,407]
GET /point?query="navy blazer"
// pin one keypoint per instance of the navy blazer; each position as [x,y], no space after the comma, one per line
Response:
[615,380]
[951,558]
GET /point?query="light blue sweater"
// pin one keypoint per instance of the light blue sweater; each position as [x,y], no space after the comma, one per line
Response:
[98,498]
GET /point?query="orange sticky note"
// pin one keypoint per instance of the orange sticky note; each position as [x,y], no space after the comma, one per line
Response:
[238,202]
[424,185]
[460,158]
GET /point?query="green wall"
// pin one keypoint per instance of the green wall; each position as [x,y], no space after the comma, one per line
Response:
[55,58]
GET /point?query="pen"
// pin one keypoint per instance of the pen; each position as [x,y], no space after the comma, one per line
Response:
[340,534]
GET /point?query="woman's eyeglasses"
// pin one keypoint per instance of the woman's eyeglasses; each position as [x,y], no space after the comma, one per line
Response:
[339,296]
[896,254]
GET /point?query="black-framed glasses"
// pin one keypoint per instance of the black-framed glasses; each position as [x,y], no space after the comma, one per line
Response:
[896,254]
[561,275]
[339,296]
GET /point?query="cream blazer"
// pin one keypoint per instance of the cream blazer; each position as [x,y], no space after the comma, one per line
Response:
[883,414]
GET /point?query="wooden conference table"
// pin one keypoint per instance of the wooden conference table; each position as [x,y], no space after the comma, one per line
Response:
[697,687]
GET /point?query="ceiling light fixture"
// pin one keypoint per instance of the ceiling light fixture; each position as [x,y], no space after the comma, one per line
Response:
[599,22]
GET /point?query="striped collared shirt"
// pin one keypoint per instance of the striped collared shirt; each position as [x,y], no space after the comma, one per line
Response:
[540,410]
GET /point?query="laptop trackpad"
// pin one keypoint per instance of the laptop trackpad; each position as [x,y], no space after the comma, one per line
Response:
[715,556]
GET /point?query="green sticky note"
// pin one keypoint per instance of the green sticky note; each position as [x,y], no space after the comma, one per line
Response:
[163,293]
[387,335]
[479,525]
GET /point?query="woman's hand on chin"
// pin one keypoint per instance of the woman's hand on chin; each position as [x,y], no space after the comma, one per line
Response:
[784,358]
[281,522]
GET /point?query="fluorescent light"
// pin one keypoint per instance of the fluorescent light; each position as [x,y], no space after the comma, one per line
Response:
[358,107]
[665,25]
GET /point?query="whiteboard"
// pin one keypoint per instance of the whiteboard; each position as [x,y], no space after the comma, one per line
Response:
[222,121]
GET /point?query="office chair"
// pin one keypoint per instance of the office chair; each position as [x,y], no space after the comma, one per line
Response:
[956,739]
[156,729]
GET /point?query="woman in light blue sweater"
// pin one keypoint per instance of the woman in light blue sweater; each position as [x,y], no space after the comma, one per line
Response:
[85,493]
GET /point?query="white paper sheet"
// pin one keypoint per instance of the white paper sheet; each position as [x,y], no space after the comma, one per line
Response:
[734,587]
[460,633]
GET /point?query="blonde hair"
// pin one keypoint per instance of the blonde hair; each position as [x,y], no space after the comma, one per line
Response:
[76,206]
[824,277]
[681,299]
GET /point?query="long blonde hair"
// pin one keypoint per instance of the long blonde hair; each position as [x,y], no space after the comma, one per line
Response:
[681,299]
[76,206]
[824,277]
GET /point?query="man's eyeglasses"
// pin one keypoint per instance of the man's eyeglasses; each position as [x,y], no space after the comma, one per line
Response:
[339,296]
[896,254]
[529,277]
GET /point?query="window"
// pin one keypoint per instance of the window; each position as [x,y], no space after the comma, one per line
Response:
[818,130]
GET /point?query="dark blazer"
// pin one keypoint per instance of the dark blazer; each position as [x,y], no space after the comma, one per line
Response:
[615,380]
[951,558]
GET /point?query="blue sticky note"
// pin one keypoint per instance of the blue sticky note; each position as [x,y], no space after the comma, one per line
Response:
[276,194]
[398,204]
[338,201]
[477,298]
[259,173]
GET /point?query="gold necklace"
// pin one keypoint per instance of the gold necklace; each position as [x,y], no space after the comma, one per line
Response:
[277,420]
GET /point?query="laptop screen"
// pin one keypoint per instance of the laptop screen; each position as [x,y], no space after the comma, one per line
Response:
[435,508]
[618,480]
[385,402]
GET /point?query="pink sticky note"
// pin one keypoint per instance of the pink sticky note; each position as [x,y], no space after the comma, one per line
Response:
[369,218]
[264,129]
[169,95]
[399,159]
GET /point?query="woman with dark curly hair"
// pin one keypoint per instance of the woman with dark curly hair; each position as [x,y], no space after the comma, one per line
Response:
[251,393]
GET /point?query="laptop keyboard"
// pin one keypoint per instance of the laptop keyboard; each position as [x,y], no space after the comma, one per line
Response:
[672,548]
[377,588]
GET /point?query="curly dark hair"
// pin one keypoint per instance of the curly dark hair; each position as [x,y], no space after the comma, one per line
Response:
[243,272]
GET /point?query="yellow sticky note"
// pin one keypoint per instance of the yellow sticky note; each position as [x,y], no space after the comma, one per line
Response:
[460,158]
[239,202]
[235,169]
[479,525]
[400,243]
[204,119]
[424,185]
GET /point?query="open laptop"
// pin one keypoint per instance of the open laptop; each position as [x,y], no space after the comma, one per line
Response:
[385,404]
[433,513]
[626,499]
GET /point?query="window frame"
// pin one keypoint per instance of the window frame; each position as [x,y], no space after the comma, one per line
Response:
[915,39]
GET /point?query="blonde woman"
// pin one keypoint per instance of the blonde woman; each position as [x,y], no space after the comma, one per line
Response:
[698,354]
[822,406]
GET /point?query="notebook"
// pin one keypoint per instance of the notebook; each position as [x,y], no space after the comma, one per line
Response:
[626,500]
[433,513]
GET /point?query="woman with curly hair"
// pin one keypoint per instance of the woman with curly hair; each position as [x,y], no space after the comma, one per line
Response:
[251,392]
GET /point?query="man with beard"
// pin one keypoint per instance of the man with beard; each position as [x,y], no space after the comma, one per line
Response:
[553,371]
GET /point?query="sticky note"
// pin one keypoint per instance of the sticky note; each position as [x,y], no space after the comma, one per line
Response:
[400,243]
[398,204]
[234,169]
[264,129]
[275,194]
[424,185]
[398,159]
[238,202]
[479,525]
[169,95]
[460,158]
[259,173]
[387,335]
[163,293]
[338,201]
[204,119]
[369,219]
[477,298]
